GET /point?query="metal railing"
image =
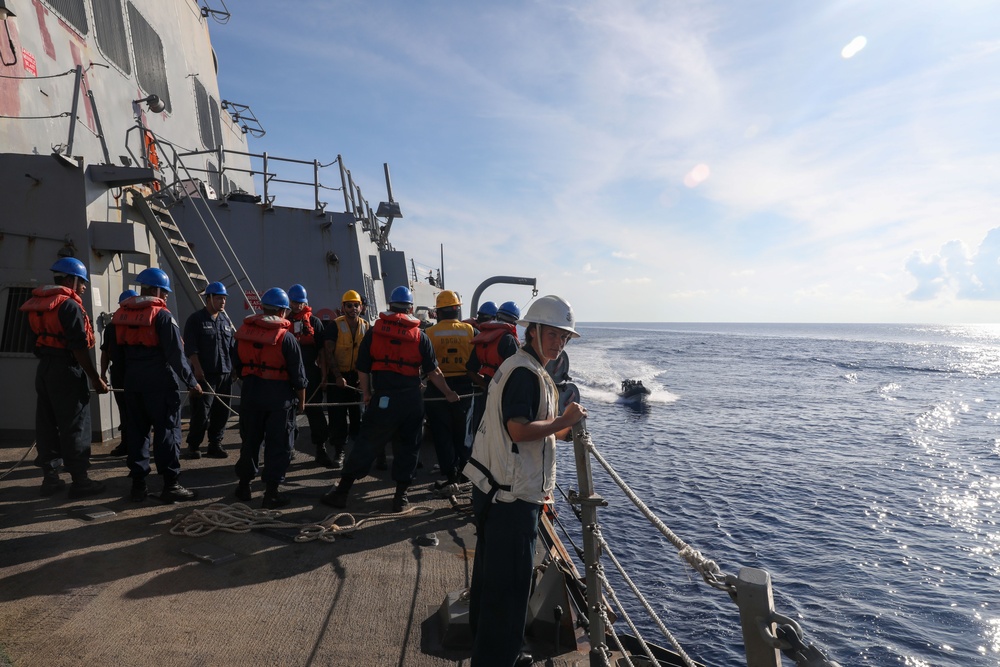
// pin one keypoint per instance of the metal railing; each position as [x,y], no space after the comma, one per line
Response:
[263,165]
[766,633]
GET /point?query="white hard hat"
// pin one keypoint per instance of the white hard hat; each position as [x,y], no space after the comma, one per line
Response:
[552,311]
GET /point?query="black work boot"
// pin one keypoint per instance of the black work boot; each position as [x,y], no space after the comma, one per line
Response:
[192,453]
[83,486]
[51,483]
[338,496]
[215,451]
[120,450]
[400,501]
[243,491]
[173,492]
[272,499]
[322,458]
[139,490]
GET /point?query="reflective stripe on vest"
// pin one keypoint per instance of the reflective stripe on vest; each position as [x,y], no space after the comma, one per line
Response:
[452,341]
[345,352]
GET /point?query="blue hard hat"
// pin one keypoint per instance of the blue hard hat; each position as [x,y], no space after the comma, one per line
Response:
[127,294]
[71,266]
[488,308]
[401,294]
[297,293]
[275,298]
[216,288]
[510,309]
[153,277]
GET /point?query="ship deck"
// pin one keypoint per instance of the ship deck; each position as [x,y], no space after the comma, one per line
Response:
[121,589]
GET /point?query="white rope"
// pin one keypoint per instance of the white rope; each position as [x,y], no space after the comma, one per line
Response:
[707,568]
[307,405]
[240,518]
[642,600]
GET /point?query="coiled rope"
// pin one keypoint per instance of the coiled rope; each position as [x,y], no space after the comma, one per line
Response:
[240,518]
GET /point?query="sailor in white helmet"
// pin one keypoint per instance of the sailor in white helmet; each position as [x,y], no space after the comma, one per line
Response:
[513,469]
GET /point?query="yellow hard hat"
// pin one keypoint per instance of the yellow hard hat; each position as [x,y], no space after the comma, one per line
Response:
[447,299]
[351,296]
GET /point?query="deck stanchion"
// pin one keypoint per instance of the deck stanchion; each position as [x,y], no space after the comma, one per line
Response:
[589,502]
[756,602]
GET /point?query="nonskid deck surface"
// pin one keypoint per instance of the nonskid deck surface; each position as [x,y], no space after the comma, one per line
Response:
[120,589]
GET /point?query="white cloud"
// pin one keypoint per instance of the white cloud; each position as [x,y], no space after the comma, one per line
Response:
[561,133]
[972,275]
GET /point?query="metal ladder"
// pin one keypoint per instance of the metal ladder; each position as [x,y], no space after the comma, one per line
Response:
[184,265]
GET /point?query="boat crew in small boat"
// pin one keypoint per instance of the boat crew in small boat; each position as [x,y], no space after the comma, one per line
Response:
[633,389]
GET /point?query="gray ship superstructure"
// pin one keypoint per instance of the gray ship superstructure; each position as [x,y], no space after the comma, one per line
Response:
[117,147]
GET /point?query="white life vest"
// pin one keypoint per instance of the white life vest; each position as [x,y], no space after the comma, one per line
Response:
[529,473]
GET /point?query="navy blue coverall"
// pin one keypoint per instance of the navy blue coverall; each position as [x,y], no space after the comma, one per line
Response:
[62,409]
[213,341]
[267,415]
[396,409]
[154,377]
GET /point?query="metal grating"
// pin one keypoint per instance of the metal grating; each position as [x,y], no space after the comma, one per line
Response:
[150,68]
[72,12]
[16,336]
[204,114]
[109,22]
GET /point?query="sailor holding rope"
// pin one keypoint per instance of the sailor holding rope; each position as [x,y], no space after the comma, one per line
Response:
[513,470]
[63,340]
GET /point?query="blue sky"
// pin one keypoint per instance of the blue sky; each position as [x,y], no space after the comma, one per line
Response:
[660,160]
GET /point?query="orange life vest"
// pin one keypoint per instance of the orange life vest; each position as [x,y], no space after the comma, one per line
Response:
[302,327]
[134,321]
[487,345]
[259,346]
[43,316]
[396,344]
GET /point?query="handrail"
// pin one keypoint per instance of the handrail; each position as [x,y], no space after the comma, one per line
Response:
[171,191]
[765,631]
[354,201]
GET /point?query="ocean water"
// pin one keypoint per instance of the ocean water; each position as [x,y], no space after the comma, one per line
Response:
[858,464]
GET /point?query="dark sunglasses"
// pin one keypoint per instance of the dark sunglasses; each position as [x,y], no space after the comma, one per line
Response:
[351,304]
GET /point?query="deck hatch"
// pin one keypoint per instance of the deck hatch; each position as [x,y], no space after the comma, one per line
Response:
[150,67]
[109,23]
